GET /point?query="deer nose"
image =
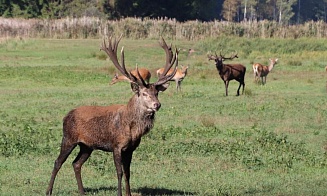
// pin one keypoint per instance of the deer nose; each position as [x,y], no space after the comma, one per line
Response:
[157,105]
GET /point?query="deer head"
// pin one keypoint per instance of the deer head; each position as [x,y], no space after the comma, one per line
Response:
[219,59]
[147,93]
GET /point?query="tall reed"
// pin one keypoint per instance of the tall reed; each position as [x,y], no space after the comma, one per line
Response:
[137,28]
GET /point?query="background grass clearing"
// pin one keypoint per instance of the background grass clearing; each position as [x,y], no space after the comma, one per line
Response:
[270,141]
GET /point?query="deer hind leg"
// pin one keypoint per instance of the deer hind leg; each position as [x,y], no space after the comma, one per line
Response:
[243,86]
[238,90]
[177,85]
[255,73]
[126,160]
[262,80]
[82,156]
[66,149]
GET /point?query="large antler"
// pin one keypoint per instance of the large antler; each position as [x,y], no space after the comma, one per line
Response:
[169,55]
[111,50]
[230,58]
[170,60]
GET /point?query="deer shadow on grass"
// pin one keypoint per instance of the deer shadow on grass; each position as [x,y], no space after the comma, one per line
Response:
[100,189]
[146,191]
[161,191]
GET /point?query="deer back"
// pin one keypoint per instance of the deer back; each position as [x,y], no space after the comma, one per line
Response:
[180,73]
[144,73]
[232,71]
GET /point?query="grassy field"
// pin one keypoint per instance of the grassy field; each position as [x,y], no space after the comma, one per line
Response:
[270,141]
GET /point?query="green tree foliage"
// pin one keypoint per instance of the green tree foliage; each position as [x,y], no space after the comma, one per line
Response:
[282,11]
[249,9]
[182,10]
[230,8]
[285,10]
[310,10]
[21,8]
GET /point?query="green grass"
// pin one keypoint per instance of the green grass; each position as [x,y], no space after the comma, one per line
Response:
[270,141]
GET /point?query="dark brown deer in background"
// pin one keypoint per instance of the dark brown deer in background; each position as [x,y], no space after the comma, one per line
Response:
[144,73]
[115,128]
[229,72]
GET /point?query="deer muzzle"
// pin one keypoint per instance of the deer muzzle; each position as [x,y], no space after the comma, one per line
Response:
[155,107]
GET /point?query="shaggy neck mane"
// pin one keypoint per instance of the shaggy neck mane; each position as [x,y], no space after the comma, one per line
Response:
[140,120]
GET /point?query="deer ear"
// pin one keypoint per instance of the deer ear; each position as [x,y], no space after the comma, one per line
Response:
[162,87]
[135,88]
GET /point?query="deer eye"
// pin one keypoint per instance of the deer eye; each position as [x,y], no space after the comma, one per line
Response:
[144,94]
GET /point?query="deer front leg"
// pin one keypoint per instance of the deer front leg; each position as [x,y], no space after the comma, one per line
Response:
[226,87]
[126,159]
[118,164]
[176,81]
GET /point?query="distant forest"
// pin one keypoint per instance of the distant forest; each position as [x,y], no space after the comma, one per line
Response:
[282,11]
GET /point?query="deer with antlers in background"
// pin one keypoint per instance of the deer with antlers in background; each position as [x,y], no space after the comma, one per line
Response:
[144,74]
[229,72]
[114,128]
[262,71]
[179,76]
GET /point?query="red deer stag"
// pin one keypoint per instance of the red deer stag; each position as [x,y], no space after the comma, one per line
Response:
[229,72]
[262,71]
[144,73]
[115,128]
[179,76]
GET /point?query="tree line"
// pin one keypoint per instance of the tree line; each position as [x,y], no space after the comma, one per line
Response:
[281,11]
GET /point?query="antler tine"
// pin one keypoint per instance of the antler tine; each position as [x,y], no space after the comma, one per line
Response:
[221,56]
[122,61]
[211,56]
[139,76]
[235,55]
[111,50]
[169,56]
[165,78]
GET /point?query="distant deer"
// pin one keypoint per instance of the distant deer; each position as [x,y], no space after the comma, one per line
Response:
[115,128]
[262,71]
[179,76]
[144,73]
[190,52]
[229,72]
[326,68]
